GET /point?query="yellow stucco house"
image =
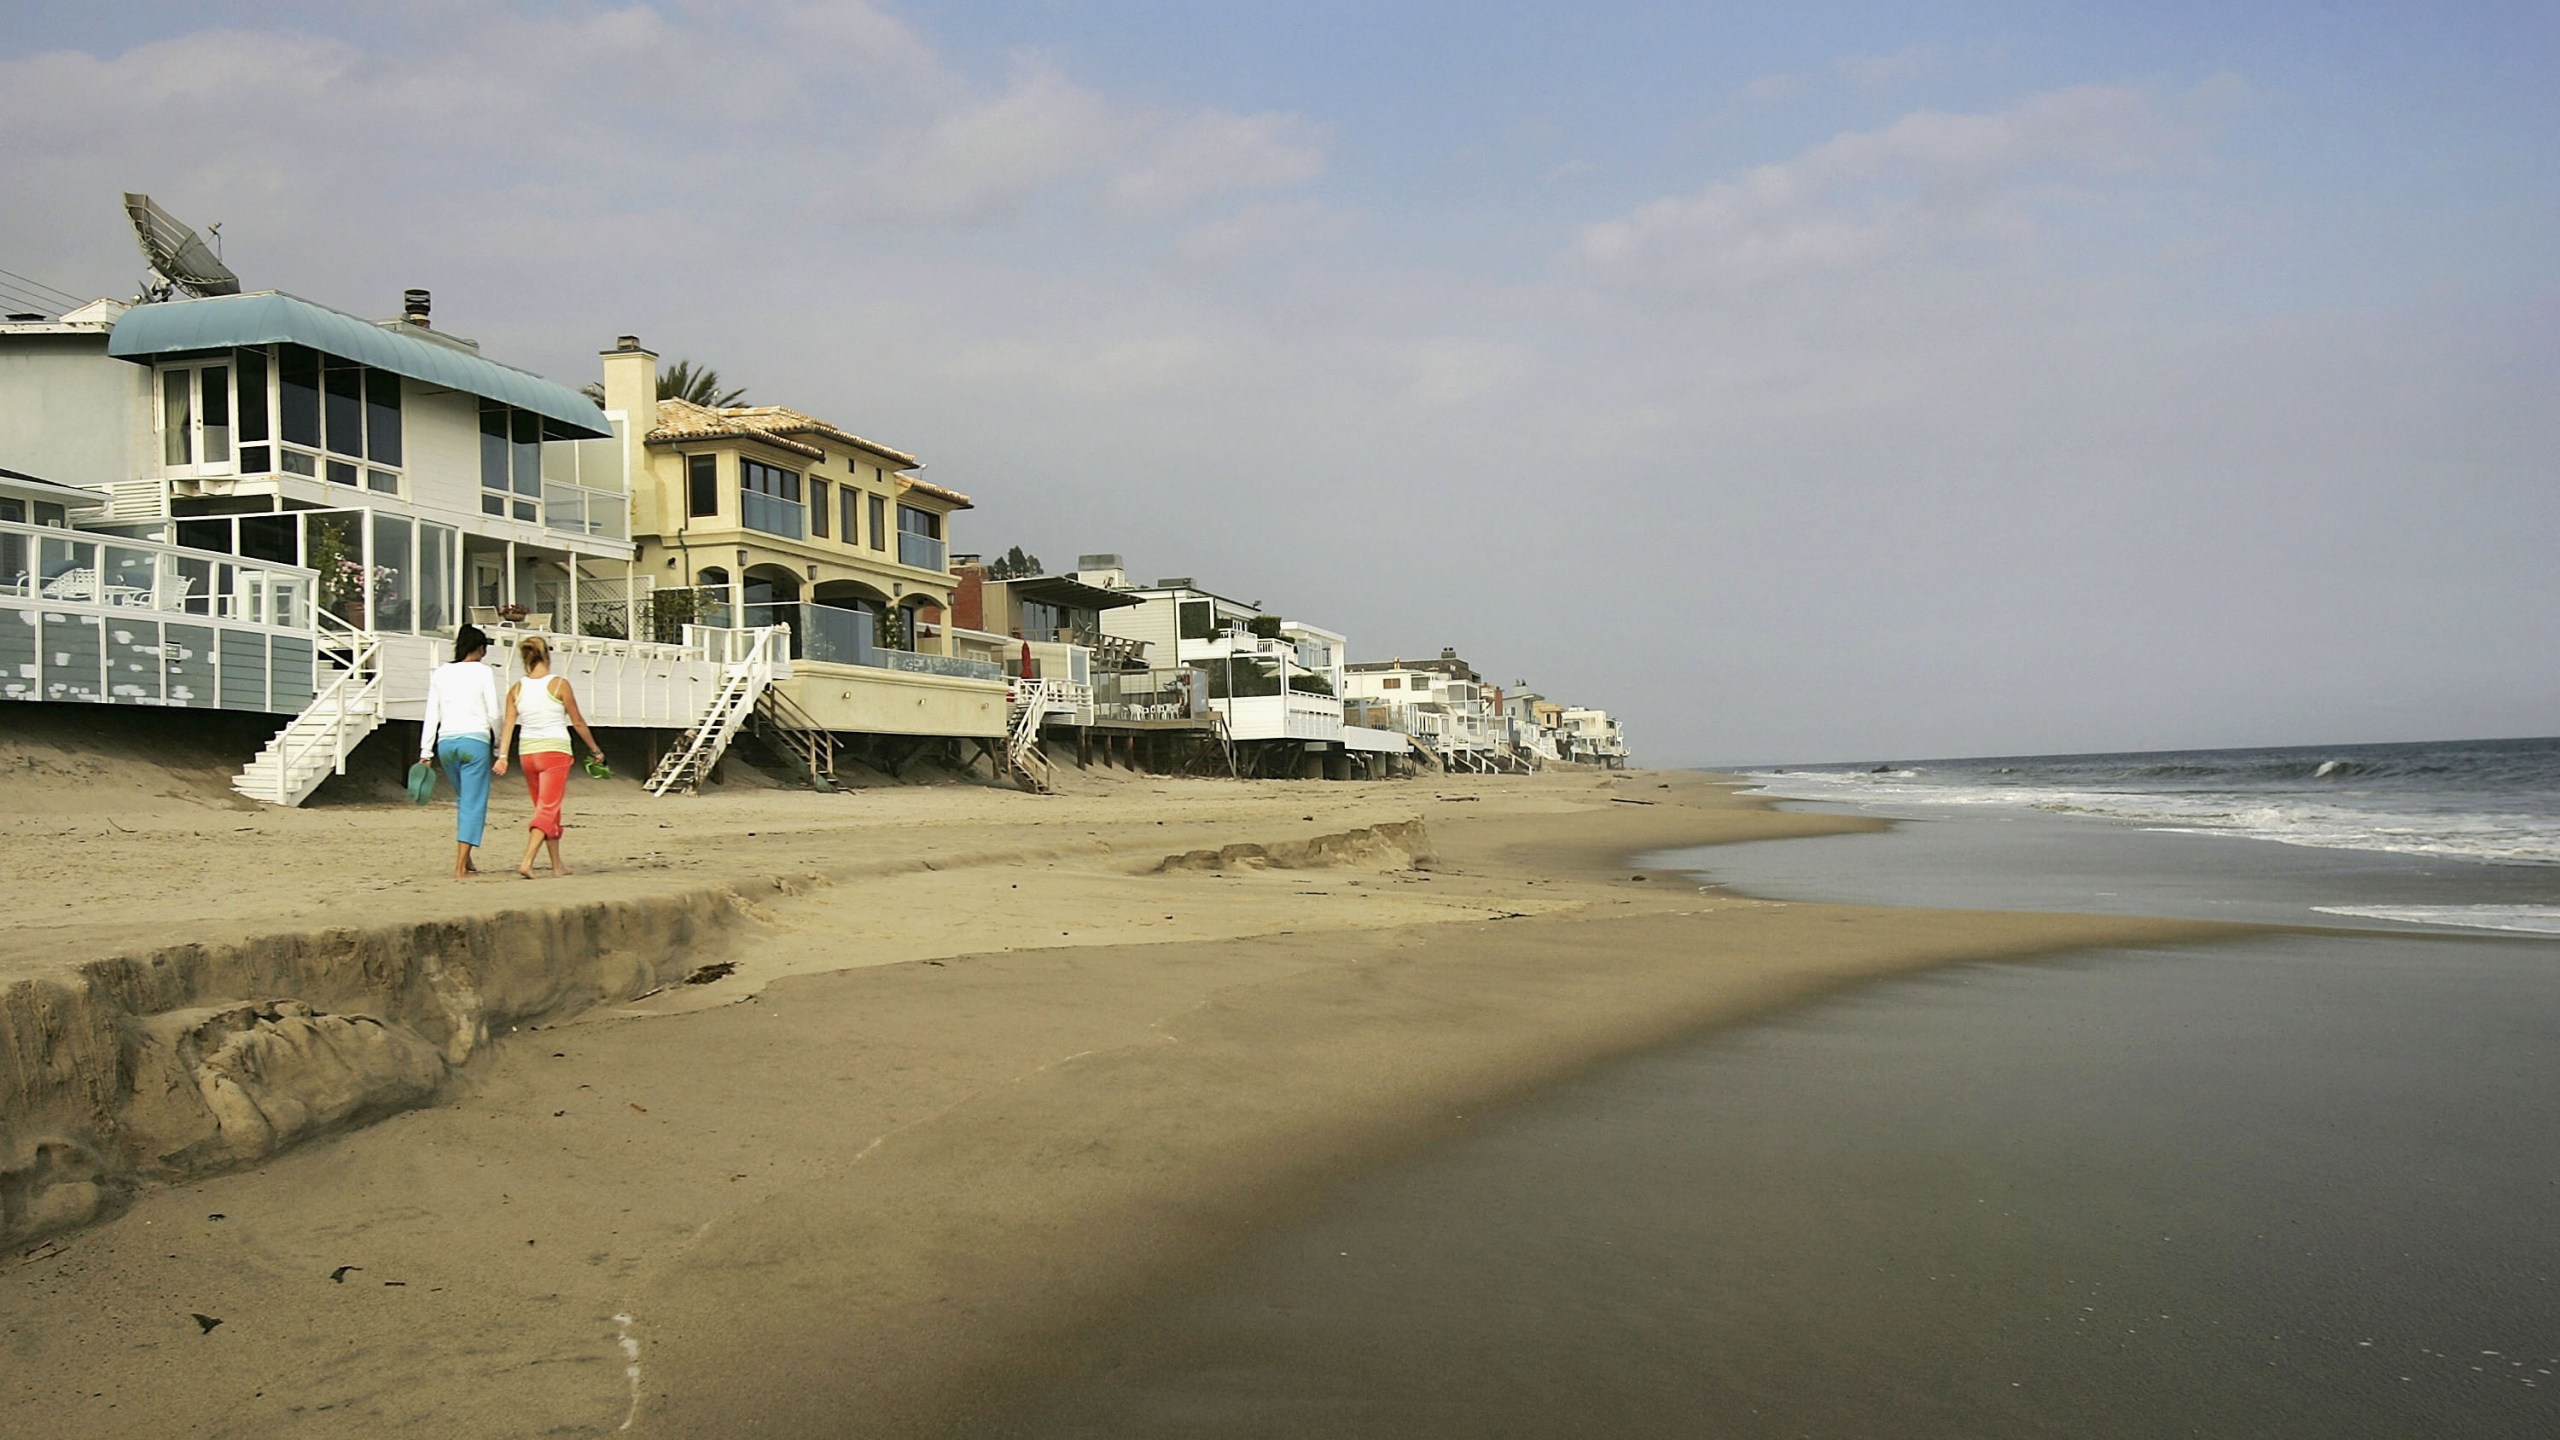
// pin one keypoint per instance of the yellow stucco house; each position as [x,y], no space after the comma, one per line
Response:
[755,515]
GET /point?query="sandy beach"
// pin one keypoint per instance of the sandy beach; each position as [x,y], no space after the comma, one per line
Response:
[981,1067]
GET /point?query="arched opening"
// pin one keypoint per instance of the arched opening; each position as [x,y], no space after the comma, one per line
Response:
[770,595]
[843,621]
[922,620]
[713,599]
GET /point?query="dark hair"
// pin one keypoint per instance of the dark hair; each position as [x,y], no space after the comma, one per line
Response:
[469,640]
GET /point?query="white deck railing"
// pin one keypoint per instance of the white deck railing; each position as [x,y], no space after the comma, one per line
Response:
[74,567]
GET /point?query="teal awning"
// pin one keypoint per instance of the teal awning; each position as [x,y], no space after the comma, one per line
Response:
[271,317]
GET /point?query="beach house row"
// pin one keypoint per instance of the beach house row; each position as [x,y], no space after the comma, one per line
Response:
[255,502]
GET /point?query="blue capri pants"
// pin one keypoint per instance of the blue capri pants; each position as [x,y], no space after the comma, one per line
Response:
[467,762]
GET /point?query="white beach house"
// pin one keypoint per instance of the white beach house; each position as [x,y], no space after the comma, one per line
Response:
[299,507]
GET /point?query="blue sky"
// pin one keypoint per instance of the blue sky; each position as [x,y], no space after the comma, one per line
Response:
[1804,381]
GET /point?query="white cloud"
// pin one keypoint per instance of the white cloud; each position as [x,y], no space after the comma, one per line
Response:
[1903,64]
[1930,183]
[1771,87]
[988,156]
[1211,155]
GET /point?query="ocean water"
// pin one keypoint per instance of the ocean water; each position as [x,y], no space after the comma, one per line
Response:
[2294,1187]
[2462,834]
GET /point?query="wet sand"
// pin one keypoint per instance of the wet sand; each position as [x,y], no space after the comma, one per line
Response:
[926,1139]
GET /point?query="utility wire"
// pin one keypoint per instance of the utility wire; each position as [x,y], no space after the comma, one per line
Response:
[18,300]
[40,287]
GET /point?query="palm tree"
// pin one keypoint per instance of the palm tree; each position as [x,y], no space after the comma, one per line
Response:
[685,381]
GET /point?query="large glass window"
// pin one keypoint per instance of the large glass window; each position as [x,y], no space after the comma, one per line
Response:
[771,480]
[298,395]
[920,539]
[769,499]
[395,573]
[879,522]
[525,445]
[494,483]
[852,498]
[818,512]
[342,407]
[382,417]
[214,396]
[1193,620]
[510,462]
[701,485]
[252,365]
[438,545]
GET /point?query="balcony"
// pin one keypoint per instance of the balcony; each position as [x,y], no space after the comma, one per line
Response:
[585,510]
[773,515]
[53,566]
[924,552]
[831,635]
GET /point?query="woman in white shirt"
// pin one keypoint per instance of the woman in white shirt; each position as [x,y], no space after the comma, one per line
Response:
[460,734]
[545,709]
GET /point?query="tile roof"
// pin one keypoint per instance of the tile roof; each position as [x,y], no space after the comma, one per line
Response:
[938,492]
[681,420]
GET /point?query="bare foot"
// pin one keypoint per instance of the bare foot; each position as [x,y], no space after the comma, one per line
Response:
[526,871]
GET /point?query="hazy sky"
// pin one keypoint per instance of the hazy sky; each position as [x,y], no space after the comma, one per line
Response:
[1808,381]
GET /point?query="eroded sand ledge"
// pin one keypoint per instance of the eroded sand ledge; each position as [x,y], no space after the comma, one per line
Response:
[873,1198]
[197,1058]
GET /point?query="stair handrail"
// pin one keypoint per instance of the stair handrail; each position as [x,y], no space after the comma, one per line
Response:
[362,672]
[742,682]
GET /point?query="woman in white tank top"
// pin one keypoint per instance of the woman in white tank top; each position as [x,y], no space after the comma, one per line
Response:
[545,710]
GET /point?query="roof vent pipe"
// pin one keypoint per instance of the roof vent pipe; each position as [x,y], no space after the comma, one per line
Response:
[626,342]
[414,306]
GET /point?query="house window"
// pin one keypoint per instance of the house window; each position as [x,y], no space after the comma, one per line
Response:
[256,456]
[342,407]
[298,396]
[322,405]
[852,499]
[769,499]
[1391,683]
[879,522]
[382,417]
[920,539]
[818,512]
[701,485]
[1193,620]
[195,417]
[510,462]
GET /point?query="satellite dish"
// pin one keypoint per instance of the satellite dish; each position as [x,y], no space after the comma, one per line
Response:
[180,260]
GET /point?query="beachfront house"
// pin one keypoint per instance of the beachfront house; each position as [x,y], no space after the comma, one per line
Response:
[297,507]
[1273,685]
[1441,703]
[755,516]
[1592,737]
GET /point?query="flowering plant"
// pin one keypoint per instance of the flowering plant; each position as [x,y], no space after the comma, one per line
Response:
[347,580]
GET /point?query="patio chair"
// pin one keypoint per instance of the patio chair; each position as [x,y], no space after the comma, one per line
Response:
[75,584]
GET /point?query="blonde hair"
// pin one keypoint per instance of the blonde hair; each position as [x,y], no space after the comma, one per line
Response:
[533,650]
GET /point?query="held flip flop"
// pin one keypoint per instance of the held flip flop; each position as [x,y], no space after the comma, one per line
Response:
[598,770]
[422,783]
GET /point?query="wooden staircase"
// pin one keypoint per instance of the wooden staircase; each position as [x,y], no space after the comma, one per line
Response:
[790,733]
[314,744]
[1031,769]
[742,685]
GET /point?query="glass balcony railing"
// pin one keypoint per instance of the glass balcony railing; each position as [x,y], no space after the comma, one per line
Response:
[773,515]
[923,551]
[838,636]
[585,510]
[74,567]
